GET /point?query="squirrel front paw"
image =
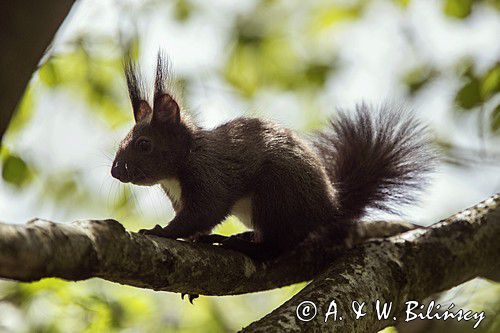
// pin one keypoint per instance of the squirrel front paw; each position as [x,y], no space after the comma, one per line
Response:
[157,230]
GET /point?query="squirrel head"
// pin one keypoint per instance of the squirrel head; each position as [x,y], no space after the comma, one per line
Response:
[159,143]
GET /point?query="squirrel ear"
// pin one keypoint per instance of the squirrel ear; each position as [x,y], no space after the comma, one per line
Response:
[142,112]
[166,109]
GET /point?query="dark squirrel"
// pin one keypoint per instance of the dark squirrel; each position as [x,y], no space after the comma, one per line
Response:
[282,187]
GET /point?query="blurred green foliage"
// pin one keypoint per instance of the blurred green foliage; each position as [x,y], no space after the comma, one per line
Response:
[15,171]
[331,14]
[23,113]
[266,52]
[458,8]
[265,55]
[418,78]
[93,77]
[183,10]
[402,3]
[478,89]
[495,120]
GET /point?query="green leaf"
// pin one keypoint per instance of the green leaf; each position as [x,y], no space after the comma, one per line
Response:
[390,329]
[23,113]
[183,10]
[15,171]
[490,84]
[458,8]
[326,17]
[469,96]
[402,3]
[270,62]
[49,73]
[242,70]
[317,74]
[417,78]
[495,120]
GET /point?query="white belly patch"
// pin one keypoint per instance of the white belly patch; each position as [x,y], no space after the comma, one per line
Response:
[172,188]
[242,209]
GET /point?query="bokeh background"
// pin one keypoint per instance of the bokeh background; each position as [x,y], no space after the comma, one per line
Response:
[294,61]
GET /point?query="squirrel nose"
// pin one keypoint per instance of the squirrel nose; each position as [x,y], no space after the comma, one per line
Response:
[119,171]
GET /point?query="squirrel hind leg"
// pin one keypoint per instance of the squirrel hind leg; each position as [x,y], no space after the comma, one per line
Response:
[257,251]
[219,239]
[210,239]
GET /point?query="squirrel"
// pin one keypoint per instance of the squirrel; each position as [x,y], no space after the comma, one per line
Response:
[281,186]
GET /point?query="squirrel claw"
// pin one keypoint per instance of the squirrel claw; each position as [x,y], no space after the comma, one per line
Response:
[191,297]
[156,231]
[231,243]
[211,239]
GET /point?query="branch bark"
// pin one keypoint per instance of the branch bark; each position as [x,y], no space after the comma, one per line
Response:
[410,266]
[104,249]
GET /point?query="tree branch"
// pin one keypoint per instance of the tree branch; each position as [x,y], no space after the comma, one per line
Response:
[410,266]
[104,249]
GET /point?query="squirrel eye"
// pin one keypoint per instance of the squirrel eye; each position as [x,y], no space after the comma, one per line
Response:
[144,145]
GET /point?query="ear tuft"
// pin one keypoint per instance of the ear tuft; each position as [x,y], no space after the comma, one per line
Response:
[162,76]
[136,91]
[166,108]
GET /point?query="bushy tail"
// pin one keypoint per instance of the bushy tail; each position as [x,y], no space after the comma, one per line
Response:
[376,158]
